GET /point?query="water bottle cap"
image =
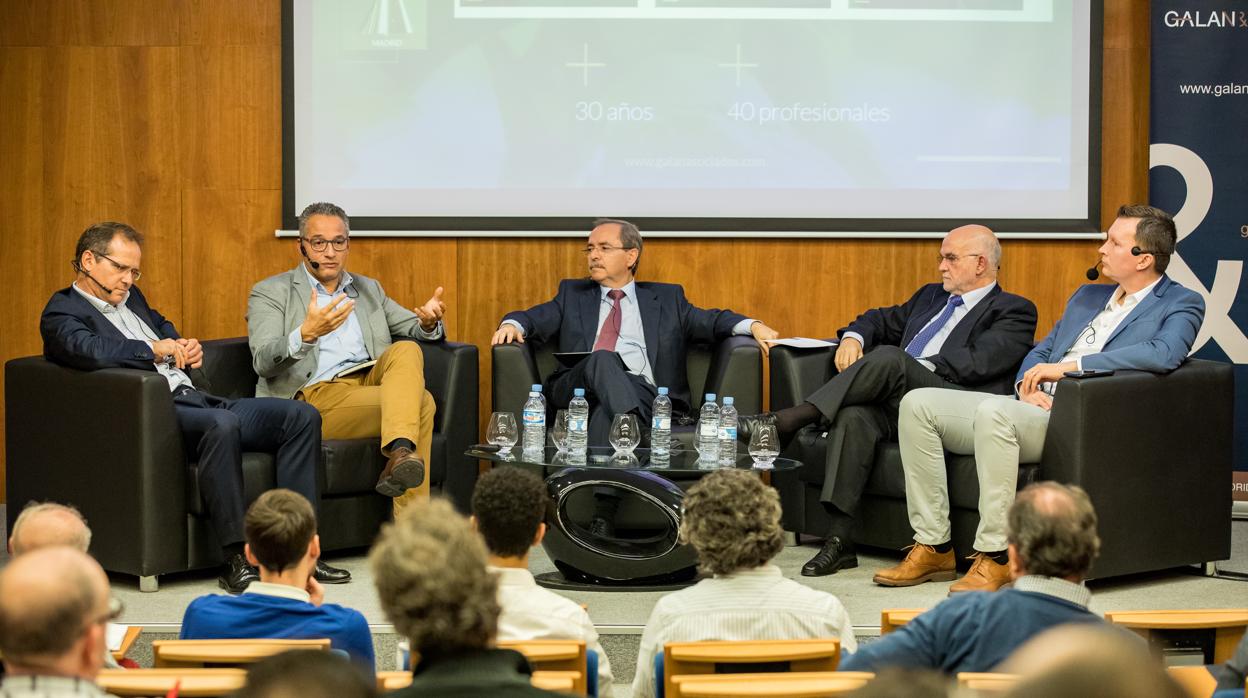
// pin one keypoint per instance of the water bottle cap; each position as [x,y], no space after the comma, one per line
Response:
[710,397]
[662,391]
[536,387]
[728,401]
[579,392]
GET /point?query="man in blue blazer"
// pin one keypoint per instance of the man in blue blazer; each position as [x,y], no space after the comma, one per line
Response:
[1145,321]
[637,332]
[965,332]
[102,321]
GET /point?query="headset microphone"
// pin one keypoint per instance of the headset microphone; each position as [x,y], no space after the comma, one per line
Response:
[1094,272]
[78,268]
[314,265]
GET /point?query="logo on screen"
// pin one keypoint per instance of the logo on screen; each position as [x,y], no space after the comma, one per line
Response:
[1196,19]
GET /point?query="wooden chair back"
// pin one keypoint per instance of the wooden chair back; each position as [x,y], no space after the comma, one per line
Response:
[1227,624]
[191,682]
[219,653]
[554,655]
[692,658]
[797,684]
[893,618]
[987,682]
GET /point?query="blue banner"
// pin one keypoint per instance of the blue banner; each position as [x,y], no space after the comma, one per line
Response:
[1199,172]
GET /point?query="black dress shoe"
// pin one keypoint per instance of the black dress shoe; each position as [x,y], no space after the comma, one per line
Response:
[237,574]
[330,575]
[836,554]
[748,424]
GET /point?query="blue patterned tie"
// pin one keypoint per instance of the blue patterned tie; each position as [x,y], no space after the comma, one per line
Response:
[925,335]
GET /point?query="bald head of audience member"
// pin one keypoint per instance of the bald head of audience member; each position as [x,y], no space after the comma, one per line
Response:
[305,674]
[732,520]
[429,567]
[54,604]
[44,524]
[1087,660]
[1052,532]
[970,257]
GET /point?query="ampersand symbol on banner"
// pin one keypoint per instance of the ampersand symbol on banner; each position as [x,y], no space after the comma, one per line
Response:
[1218,324]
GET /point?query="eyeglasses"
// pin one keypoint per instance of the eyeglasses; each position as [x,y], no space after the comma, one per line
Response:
[953,258]
[318,245]
[121,268]
[590,249]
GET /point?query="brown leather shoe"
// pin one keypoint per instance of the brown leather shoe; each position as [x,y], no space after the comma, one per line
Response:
[985,574]
[403,471]
[922,564]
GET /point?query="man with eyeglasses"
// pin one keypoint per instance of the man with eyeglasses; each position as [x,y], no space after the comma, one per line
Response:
[637,332]
[54,606]
[965,332]
[1144,321]
[103,321]
[324,336]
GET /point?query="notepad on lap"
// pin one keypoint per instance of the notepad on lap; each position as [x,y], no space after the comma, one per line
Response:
[355,369]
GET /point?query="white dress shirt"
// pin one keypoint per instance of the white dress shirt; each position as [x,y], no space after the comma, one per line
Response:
[969,300]
[757,604]
[133,327]
[530,612]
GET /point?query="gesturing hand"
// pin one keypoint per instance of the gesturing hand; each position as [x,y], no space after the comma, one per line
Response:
[847,353]
[431,312]
[322,321]
[169,348]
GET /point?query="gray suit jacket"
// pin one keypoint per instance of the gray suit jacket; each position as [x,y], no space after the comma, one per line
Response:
[279,304]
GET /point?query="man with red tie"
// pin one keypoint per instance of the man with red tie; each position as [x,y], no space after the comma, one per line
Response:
[637,332]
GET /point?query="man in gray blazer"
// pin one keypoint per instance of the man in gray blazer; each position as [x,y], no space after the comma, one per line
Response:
[325,336]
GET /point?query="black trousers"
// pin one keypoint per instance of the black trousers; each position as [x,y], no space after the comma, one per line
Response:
[217,431]
[610,389]
[860,405]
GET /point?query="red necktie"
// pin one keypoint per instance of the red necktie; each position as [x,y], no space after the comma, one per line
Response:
[610,331]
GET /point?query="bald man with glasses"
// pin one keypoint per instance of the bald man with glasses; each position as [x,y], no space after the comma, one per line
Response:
[637,332]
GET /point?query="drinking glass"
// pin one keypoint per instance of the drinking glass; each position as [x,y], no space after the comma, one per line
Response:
[764,445]
[625,433]
[502,431]
[559,430]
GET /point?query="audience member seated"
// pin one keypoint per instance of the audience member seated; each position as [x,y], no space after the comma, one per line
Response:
[1089,660]
[54,605]
[508,508]
[1052,544]
[1232,674]
[430,570]
[287,602]
[45,524]
[732,520]
[305,674]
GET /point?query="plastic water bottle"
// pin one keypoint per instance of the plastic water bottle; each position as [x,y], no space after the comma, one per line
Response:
[661,424]
[708,429]
[578,422]
[728,432]
[534,439]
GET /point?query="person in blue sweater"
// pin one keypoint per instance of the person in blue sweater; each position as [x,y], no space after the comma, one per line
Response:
[287,602]
[1052,544]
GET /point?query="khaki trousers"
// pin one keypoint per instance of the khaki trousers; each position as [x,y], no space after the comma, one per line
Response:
[999,431]
[388,401]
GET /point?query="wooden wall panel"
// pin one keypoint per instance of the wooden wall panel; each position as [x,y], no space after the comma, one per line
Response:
[167,115]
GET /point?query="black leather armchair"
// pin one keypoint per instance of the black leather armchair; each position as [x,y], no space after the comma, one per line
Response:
[1152,451]
[108,443]
[732,367]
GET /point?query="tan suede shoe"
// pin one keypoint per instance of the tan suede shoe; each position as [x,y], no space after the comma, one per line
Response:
[985,574]
[922,564]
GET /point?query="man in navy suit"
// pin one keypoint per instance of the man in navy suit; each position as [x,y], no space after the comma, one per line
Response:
[103,321]
[637,332]
[1144,321]
[964,332]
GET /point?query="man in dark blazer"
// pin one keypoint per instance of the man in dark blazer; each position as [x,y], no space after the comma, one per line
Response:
[964,332]
[102,321]
[637,332]
[1144,321]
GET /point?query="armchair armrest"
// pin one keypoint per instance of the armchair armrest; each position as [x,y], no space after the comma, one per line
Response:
[514,370]
[107,442]
[737,370]
[451,376]
[796,373]
[1148,447]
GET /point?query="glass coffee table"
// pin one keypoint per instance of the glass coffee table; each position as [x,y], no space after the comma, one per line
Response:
[614,518]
